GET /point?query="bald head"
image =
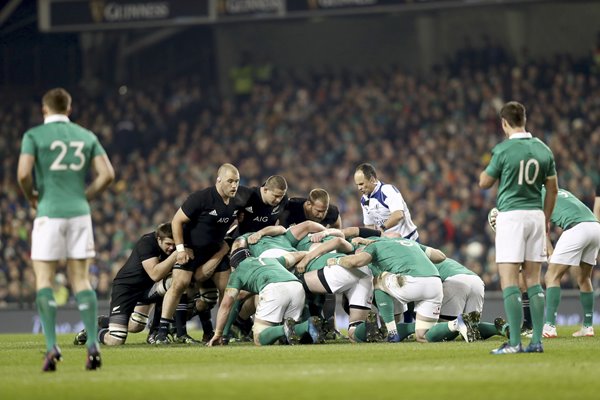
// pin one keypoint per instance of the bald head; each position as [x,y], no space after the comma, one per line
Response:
[227,168]
[228,180]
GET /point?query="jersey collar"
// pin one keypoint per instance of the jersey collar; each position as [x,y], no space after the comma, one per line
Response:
[56,118]
[521,135]
[375,189]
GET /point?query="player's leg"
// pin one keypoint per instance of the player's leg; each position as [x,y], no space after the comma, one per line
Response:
[270,311]
[139,318]
[586,290]
[78,273]
[586,295]
[48,245]
[553,277]
[46,305]
[180,283]
[204,302]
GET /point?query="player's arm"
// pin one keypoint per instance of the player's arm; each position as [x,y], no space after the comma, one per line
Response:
[225,307]
[485,180]
[179,219]
[363,232]
[206,270]
[338,244]
[392,221]
[597,206]
[293,258]
[435,255]
[353,261]
[25,178]
[105,175]
[318,236]
[551,185]
[395,204]
[273,230]
[158,270]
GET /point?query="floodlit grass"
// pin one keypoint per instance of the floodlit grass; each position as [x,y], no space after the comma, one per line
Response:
[340,370]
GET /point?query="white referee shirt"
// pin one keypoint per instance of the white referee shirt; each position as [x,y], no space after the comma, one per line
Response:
[381,203]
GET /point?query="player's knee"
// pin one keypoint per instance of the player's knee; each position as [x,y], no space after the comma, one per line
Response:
[207,299]
[116,335]
[137,322]
[257,329]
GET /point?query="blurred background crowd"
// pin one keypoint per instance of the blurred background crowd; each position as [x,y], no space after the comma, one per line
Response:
[430,134]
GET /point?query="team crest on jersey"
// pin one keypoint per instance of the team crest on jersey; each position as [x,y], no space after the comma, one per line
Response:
[276,209]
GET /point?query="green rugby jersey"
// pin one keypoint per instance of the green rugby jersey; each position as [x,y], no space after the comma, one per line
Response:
[253,274]
[63,153]
[284,242]
[399,256]
[305,243]
[321,261]
[569,210]
[521,164]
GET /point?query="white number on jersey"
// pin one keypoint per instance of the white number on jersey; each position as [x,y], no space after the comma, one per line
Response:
[525,171]
[58,165]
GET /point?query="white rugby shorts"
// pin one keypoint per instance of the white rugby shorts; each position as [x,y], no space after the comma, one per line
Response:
[357,284]
[520,236]
[54,239]
[579,244]
[462,294]
[279,301]
[426,292]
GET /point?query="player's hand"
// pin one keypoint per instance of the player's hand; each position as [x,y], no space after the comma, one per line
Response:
[492,216]
[33,201]
[332,261]
[214,341]
[317,237]
[183,257]
[301,266]
[254,238]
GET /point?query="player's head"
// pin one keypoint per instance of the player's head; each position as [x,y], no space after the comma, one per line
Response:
[164,236]
[56,101]
[238,256]
[316,205]
[513,116]
[365,178]
[228,180]
[274,190]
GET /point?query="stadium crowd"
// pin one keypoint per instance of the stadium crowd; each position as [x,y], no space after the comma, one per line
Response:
[425,134]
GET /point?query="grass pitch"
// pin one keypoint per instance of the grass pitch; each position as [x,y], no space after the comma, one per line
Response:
[338,370]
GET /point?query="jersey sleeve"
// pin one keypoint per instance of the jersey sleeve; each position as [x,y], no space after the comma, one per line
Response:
[372,250]
[28,144]
[192,206]
[146,249]
[551,167]
[97,149]
[494,168]
[234,282]
[243,196]
[393,199]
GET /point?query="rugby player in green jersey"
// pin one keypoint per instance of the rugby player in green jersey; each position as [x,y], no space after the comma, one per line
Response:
[521,164]
[578,245]
[62,153]
[280,301]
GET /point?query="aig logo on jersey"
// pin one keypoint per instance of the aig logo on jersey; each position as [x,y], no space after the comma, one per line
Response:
[261,219]
[223,220]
